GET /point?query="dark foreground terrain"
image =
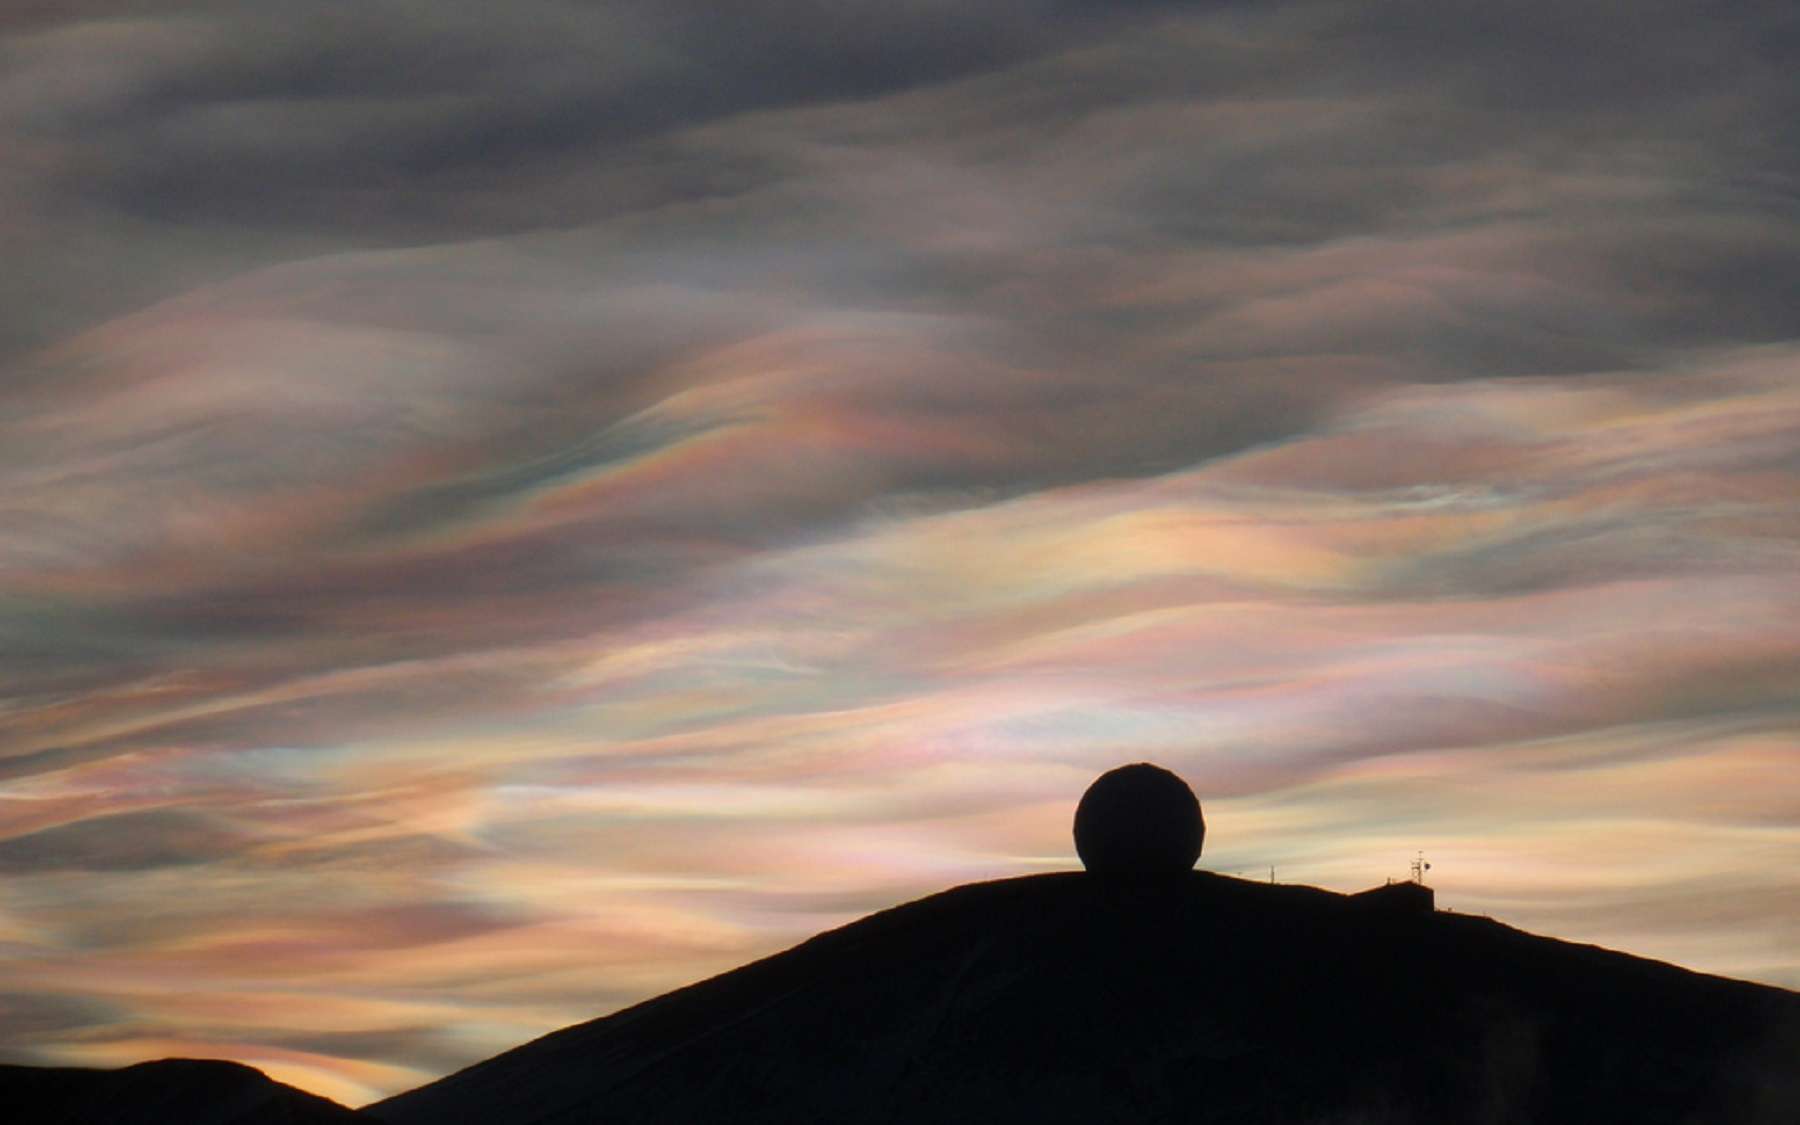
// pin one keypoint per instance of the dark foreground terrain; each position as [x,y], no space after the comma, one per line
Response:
[166,1092]
[1066,998]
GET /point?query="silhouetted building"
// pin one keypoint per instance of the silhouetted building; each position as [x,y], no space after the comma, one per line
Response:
[1398,898]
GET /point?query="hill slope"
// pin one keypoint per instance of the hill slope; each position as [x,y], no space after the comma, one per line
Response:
[1066,998]
[188,1091]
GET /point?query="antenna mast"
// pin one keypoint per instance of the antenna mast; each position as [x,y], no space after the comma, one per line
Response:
[1419,868]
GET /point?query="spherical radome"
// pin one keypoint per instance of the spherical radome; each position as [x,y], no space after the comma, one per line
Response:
[1139,821]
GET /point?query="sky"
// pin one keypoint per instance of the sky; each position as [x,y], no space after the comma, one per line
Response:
[509,509]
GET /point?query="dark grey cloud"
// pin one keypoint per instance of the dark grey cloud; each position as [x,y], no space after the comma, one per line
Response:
[30,1014]
[205,137]
[51,760]
[333,115]
[134,841]
[1621,57]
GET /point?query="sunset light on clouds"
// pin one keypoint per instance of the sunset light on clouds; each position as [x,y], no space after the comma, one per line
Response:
[504,513]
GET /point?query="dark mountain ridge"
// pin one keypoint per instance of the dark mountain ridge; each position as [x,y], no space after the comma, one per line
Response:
[164,1092]
[1074,998]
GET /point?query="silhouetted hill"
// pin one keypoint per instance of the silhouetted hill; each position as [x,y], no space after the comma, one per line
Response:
[1066,998]
[165,1092]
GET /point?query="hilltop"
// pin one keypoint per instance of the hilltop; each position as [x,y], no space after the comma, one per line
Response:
[163,1092]
[1203,998]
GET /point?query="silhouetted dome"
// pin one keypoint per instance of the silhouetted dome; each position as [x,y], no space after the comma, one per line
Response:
[1138,821]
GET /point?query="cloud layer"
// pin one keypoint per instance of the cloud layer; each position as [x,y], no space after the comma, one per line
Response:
[502,514]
